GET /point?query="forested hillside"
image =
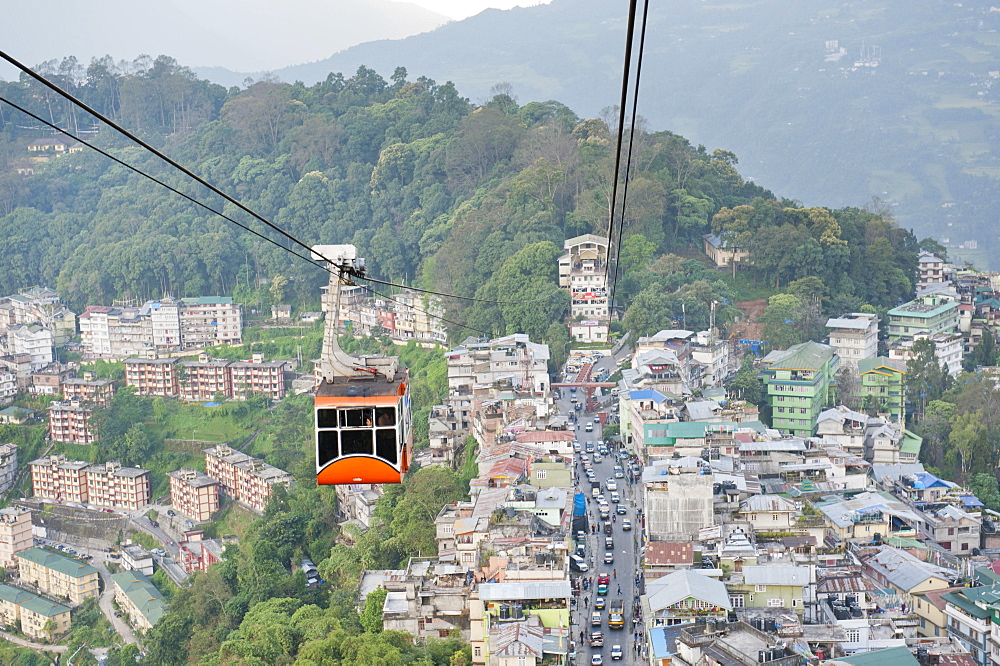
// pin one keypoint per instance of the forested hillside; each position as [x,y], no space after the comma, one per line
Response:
[435,191]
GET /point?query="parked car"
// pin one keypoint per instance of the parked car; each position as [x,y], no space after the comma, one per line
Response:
[171,512]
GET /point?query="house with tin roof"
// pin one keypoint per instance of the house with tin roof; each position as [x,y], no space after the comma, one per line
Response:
[683,596]
[773,586]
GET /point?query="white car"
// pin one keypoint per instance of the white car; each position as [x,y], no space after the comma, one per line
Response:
[612,484]
[626,524]
[590,427]
[616,652]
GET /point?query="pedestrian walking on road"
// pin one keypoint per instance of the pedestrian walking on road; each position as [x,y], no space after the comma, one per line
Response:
[614,573]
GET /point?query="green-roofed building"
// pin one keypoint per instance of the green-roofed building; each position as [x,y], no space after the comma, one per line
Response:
[970,616]
[33,612]
[139,599]
[897,656]
[928,315]
[882,386]
[57,575]
[800,384]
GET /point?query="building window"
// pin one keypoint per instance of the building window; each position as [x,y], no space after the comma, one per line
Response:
[540,473]
[736,600]
[853,635]
[775,603]
[478,650]
[760,588]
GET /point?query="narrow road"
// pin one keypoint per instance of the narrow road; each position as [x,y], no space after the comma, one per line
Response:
[17,640]
[625,585]
[120,625]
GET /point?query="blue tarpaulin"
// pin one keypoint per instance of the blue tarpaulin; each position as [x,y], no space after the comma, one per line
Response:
[580,505]
[213,404]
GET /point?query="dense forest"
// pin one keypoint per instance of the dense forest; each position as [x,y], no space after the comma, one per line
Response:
[433,190]
[473,200]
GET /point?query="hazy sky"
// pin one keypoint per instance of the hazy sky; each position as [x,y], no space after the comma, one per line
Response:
[240,35]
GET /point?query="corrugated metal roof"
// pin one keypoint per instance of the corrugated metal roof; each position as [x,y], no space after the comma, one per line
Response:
[668,590]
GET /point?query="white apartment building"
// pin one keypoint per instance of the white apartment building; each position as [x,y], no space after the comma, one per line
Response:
[34,340]
[8,387]
[210,320]
[948,348]
[582,270]
[38,305]
[163,325]
[165,319]
[512,359]
[854,337]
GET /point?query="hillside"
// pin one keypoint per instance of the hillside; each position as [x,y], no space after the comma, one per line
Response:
[913,124]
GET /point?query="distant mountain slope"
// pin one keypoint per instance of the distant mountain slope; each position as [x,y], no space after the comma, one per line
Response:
[913,123]
[247,34]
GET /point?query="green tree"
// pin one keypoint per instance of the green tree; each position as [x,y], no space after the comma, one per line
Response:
[747,385]
[984,486]
[371,614]
[926,379]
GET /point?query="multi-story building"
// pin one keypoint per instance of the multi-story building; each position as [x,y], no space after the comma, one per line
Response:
[110,484]
[949,350]
[139,599]
[930,270]
[165,325]
[34,340]
[57,575]
[47,380]
[210,320]
[928,315]
[89,389]
[854,337]
[194,494]
[244,478]
[71,423]
[8,387]
[37,617]
[954,529]
[38,305]
[800,383]
[8,466]
[258,377]
[583,271]
[55,477]
[417,317]
[106,484]
[969,614]
[205,378]
[153,376]
[677,505]
[513,360]
[137,558]
[196,553]
[15,534]
[882,386]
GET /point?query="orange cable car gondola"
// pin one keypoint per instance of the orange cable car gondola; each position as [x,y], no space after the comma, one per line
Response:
[362,404]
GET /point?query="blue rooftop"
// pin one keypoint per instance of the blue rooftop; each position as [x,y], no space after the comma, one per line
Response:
[926,480]
[647,394]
